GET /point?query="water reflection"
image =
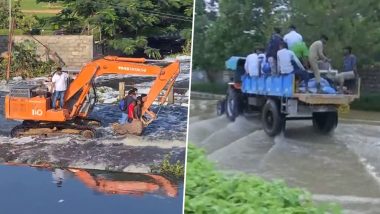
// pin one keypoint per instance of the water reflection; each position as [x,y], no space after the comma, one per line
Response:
[125,183]
[56,190]
[119,183]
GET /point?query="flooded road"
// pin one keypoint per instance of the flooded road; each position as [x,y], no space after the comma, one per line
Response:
[25,190]
[343,167]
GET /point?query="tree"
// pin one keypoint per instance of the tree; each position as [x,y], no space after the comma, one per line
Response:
[245,25]
[345,22]
[126,24]
[241,27]
[17,15]
[26,62]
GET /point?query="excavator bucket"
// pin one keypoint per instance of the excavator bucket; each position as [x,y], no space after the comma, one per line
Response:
[135,128]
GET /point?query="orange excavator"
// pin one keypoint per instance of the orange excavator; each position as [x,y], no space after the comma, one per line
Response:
[27,103]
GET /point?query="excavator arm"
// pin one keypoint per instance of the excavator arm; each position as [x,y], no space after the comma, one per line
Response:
[79,89]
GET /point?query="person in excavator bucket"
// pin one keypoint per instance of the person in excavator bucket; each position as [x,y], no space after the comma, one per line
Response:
[124,104]
[136,121]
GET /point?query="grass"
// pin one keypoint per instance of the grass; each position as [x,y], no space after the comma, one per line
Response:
[209,191]
[33,5]
[27,5]
[40,15]
[367,102]
[6,31]
[214,88]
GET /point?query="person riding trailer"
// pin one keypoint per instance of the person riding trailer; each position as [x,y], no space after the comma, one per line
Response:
[349,72]
[288,63]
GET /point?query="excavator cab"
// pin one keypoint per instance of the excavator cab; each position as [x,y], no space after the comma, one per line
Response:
[31,102]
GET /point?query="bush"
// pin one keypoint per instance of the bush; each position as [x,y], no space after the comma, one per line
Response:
[208,191]
[367,102]
[176,170]
[168,168]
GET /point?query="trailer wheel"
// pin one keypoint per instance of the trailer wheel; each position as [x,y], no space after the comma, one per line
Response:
[325,122]
[220,107]
[272,120]
[232,104]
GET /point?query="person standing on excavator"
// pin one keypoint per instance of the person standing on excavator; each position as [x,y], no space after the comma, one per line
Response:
[59,81]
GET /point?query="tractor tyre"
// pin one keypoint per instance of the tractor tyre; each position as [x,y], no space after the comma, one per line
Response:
[272,119]
[232,104]
[325,122]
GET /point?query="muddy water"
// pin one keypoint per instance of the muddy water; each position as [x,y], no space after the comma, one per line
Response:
[25,190]
[342,167]
[165,136]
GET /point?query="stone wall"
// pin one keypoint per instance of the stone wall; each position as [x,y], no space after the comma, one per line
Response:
[72,50]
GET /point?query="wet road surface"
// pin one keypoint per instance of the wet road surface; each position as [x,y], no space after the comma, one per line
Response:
[343,167]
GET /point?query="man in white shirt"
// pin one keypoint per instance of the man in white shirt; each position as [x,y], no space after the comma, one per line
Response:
[262,59]
[254,62]
[292,37]
[60,86]
[288,63]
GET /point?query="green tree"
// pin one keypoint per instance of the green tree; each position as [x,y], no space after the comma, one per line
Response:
[126,24]
[17,15]
[26,62]
[345,22]
[241,27]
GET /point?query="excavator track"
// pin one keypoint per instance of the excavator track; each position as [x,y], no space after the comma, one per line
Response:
[41,129]
[88,122]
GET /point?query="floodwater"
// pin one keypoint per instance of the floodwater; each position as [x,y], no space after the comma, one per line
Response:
[343,167]
[26,190]
[171,122]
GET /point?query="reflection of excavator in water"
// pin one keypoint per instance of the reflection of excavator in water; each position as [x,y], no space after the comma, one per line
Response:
[24,103]
[119,183]
[131,184]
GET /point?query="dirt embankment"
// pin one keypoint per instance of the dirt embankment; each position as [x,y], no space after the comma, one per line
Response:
[136,157]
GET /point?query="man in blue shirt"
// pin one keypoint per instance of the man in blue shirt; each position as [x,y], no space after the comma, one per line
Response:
[349,61]
[349,71]
[273,47]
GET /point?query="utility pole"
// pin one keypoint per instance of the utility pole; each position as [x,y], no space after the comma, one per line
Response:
[10,40]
